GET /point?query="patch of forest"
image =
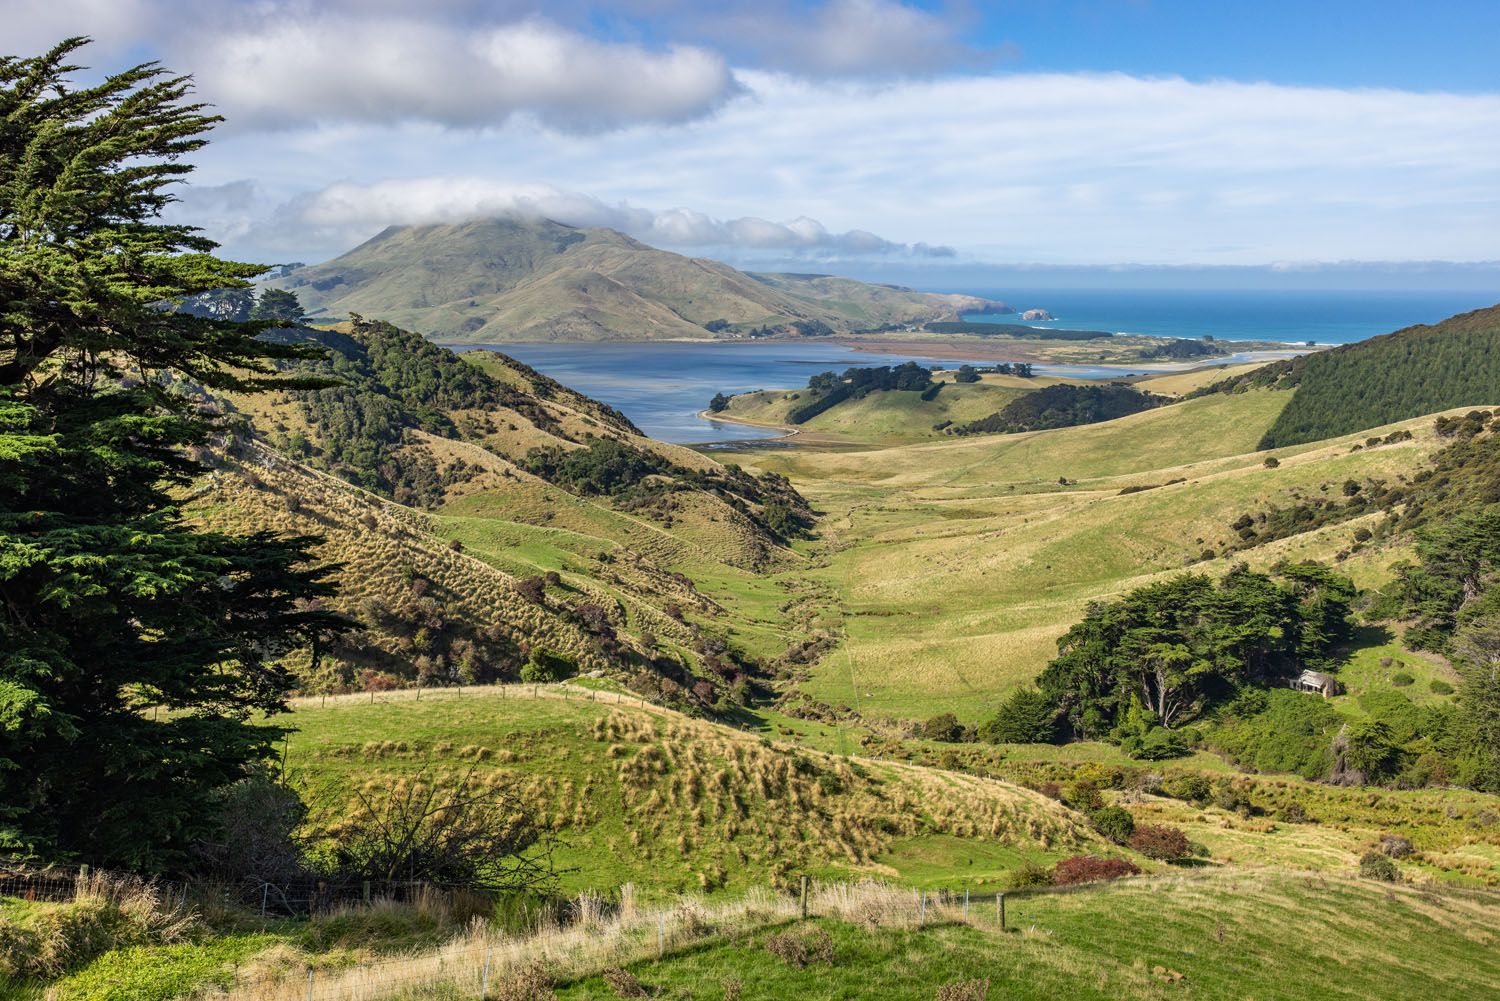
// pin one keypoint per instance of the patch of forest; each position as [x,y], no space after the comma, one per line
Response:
[1064,406]
[831,389]
[1415,371]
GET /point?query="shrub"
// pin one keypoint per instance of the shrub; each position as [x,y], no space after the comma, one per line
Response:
[798,950]
[1114,822]
[1083,796]
[1271,462]
[1159,744]
[1374,865]
[944,727]
[1189,786]
[1441,687]
[1395,846]
[1401,679]
[546,665]
[1293,813]
[1160,842]
[1088,869]
[1028,874]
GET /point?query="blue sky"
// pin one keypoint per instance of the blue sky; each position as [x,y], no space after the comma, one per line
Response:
[1376,43]
[927,142]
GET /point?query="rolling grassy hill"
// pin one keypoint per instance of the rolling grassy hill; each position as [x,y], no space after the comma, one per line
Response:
[957,564]
[647,796]
[501,280]
[420,472]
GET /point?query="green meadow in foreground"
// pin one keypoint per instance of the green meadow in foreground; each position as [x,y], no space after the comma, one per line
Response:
[1257,936]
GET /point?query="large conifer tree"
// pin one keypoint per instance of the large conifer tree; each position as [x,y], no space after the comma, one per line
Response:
[109,601]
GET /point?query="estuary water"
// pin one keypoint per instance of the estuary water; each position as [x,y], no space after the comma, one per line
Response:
[663,386]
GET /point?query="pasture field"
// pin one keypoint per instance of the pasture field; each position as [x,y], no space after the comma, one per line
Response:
[957,565]
[1260,935]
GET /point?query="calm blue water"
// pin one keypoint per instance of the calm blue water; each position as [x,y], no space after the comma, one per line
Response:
[663,387]
[1293,317]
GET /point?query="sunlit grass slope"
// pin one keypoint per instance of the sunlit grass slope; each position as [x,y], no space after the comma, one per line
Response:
[958,564]
[647,796]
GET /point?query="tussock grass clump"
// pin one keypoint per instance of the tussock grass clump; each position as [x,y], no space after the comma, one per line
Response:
[105,913]
[964,990]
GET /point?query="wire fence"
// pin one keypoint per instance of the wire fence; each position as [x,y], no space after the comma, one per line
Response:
[303,897]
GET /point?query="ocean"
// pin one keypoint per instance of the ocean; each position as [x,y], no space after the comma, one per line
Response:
[1340,317]
[662,387]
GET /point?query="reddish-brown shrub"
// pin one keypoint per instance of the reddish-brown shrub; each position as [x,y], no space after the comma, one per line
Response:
[1088,869]
[1160,842]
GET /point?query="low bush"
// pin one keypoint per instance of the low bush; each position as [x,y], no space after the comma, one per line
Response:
[1374,865]
[544,666]
[1161,842]
[1401,679]
[1028,874]
[1189,786]
[943,727]
[1088,869]
[1114,822]
[799,949]
[1441,687]
[1395,846]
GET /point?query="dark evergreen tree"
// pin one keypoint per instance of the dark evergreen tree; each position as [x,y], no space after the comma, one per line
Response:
[135,651]
[278,307]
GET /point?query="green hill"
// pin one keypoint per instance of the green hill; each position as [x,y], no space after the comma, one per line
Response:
[501,280]
[1415,371]
[489,522]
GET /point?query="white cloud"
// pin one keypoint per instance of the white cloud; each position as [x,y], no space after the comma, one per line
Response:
[280,69]
[848,38]
[1050,168]
[357,210]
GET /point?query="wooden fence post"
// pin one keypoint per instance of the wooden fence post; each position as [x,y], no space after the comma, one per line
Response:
[966,903]
[366,892]
[1000,906]
[309,984]
[484,981]
[661,934]
[804,898]
[922,910]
